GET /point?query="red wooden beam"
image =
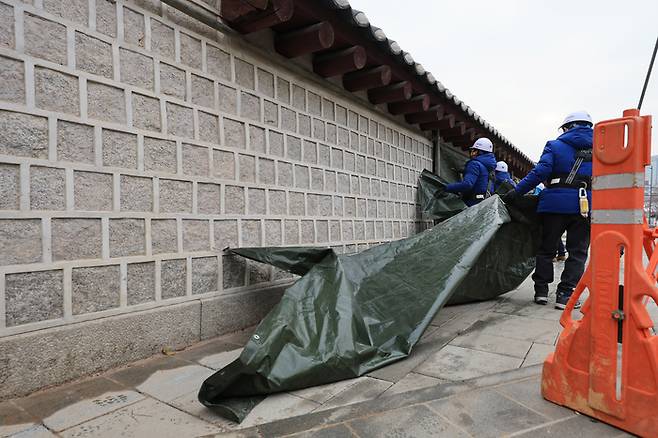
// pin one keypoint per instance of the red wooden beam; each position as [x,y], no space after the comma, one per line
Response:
[458,131]
[313,38]
[433,114]
[448,121]
[391,93]
[340,62]
[365,79]
[234,9]
[277,12]
[415,104]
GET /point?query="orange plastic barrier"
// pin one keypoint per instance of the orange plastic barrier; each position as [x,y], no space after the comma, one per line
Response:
[605,365]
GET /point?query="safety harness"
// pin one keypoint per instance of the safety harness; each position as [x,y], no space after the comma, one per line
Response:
[572,180]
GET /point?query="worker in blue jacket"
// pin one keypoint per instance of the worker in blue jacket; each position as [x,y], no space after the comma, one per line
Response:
[475,184]
[502,175]
[566,166]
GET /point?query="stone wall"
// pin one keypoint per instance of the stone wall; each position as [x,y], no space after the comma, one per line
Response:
[136,144]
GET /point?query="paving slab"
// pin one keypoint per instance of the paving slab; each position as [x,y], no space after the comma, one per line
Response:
[458,363]
[146,418]
[322,393]
[340,431]
[518,327]
[578,425]
[411,382]
[190,404]
[537,354]
[493,344]
[214,346]
[486,413]
[138,372]
[365,388]
[14,419]
[528,393]
[220,360]
[414,421]
[167,385]
[277,406]
[36,431]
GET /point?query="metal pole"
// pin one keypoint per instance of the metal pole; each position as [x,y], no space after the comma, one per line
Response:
[646,80]
[651,218]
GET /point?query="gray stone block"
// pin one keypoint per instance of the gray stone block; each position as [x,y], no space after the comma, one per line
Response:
[283,90]
[146,113]
[250,106]
[234,134]
[297,204]
[322,228]
[209,127]
[343,137]
[75,142]
[160,155]
[93,55]
[173,278]
[325,205]
[258,273]
[203,91]
[127,237]
[330,180]
[180,120]
[285,174]
[310,152]
[224,164]
[7,26]
[136,69]
[314,104]
[184,20]
[228,99]
[343,183]
[195,160]
[273,235]
[218,62]
[328,111]
[175,196]
[331,133]
[9,186]
[133,27]
[56,91]
[256,201]
[74,10]
[119,149]
[208,198]
[20,241]
[92,191]
[341,115]
[308,232]
[234,200]
[288,119]
[247,166]
[105,102]
[164,236]
[35,360]
[278,204]
[291,232]
[172,81]
[338,206]
[190,51]
[76,238]
[301,177]
[324,155]
[266,173]
[348,231]
[250,306]
[265,82]
[34,296]
[196,235]
[106,17]
[251,233]
[270,113]
[350,207]
[141,283]
[298,97]
[12,76]
[162,39]
[317,179]
[334,231]
[95,288]
[244,74]
[44,39]
[205,275]
[336,158]
[226,234]
[304,124]
[47,188]
[234,271]
[257,139]
[276,143]
[136,193]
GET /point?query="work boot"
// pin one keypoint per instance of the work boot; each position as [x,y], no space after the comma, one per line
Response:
[541,295]
[561,300]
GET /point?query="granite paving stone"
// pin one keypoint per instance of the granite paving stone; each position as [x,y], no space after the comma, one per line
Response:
[366,388]
[528,393]
[412,381]
[220,360]
[414,421]
[537,354]
[493,344]
[322,393]
[167,385]
[278,406]
[581,425]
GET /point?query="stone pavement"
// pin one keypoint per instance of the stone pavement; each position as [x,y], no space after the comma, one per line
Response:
[474,372]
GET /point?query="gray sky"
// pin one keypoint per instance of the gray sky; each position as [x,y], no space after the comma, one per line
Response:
[523,65]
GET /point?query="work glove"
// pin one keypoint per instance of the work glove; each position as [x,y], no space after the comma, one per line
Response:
[510,197]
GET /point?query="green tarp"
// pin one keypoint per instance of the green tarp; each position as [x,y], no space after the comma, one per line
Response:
[350,314]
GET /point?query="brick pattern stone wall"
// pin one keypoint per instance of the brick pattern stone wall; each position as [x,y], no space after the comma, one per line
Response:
[136,144]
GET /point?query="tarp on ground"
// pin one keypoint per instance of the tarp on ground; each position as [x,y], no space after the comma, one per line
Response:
[350,314]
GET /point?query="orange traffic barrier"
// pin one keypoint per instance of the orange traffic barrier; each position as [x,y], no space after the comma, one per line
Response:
[605,365]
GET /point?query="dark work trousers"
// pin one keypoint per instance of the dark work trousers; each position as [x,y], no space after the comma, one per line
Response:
[553,226]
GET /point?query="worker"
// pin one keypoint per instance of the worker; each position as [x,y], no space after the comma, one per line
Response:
[475,186]
[561,250]
[502,175]
[566,166]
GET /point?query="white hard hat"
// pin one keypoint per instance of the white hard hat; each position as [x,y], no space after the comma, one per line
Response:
[501,166]
[577,116]
[483,144]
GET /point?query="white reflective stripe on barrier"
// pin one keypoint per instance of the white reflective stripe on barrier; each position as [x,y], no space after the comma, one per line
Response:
[618,181]
[635,216]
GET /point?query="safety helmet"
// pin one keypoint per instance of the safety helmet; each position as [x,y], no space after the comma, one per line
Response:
[483,144]
[577,116]
[501,166]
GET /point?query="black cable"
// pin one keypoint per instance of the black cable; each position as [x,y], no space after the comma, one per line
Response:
[646,80]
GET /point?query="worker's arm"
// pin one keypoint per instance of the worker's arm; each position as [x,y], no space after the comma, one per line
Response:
[541,172]
[471,173]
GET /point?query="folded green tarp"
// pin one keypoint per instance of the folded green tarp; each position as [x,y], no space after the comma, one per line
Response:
[350,314]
